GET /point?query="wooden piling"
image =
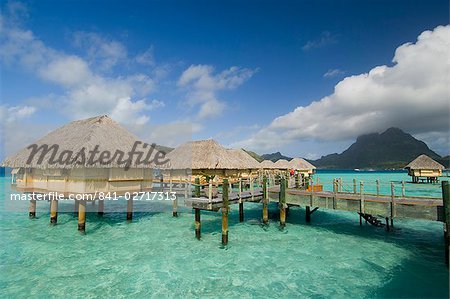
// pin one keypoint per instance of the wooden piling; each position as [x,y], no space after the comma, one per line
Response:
[308,214]
[354,186]
[446,201]
[175,201]
[241,203]
[265,201]
[335,190]
[32,209]
[392,204]
[53,211]
[403,189]
[225,210]
[361,201]
[340,184]
[197,187]
[82,215]
[297,183]
[378,187]
[130,209]
[101,207]
[197,224]
[282,202]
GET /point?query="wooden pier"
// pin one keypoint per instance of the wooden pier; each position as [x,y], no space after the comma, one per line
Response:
[370,207]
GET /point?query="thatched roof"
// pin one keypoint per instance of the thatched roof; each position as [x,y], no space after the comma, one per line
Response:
[267,164]
[424,162]
[248,160]
[282,164]
[301,164]
[99,131]
[204,154]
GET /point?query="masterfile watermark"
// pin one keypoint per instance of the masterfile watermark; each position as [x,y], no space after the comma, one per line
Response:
[139,196]
[141,154]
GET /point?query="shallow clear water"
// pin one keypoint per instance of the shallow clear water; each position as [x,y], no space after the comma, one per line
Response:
[157,255]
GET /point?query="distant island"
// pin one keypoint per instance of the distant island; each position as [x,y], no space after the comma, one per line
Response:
[392,149]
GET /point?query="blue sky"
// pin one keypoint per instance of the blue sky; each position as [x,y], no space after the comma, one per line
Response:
[234,71]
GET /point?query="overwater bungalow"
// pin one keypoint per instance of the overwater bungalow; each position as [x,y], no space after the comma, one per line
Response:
[423,168]
[267,165]
[282,165]
[302,167]
[84,157]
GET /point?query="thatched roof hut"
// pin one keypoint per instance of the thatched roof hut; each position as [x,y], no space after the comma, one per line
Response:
[247,160]
[99,133]
[208,157]
[267,164]
[301,164]
[282,164]
[424,166]
[63,160]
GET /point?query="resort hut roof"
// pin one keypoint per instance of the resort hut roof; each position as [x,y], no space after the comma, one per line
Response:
[246,159]
[80,135]
[282,164]
[424,162]
[267,164]
[203,154]
[301,164]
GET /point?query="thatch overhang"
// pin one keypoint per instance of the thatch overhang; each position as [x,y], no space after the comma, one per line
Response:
[424,162]
[100,134]
[282,164]
[301,164]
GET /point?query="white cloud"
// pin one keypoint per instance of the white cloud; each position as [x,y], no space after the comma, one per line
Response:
[87,92]
[101,52]
[326,38]
[12,114]
[202,86]
[146,58]
[413,95]
[333,73]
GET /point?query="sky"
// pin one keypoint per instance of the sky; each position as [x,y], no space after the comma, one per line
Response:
[301,77]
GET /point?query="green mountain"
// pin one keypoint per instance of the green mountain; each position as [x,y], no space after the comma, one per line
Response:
[390,149]
[275,157]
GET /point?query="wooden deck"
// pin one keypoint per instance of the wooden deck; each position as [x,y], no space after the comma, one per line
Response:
[382,205]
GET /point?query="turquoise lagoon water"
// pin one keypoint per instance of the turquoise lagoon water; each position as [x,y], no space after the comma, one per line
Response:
[157,255]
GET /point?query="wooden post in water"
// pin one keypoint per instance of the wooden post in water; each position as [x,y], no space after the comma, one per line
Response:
[225,212]
[197,224]
[403,189]
[335,189]
[82,215]
[175,201]
[265,201]
[340,184]
[392,205]
[378,187]
[308,214]
[252,188]
[130,209]
[53,211]
[446,201]
[354,186]
[32,209]
[101,207]
[361,201]
[241,203]
[282,202]
[197,187]
[297,185]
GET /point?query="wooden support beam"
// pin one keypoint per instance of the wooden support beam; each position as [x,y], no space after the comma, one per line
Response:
[282,202]
[175,201]
[225,210]
[32,209]
[101,207]
[378,187]
[403,189]
[308,214]
[392,205]
[53,211]
[241,203]
[354,186]
[446,201]
[297,183]
[197,187]
[361,202]
[82,215]
[198,224]
[130,209]
[335,190]
[76,207]
[265,201]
